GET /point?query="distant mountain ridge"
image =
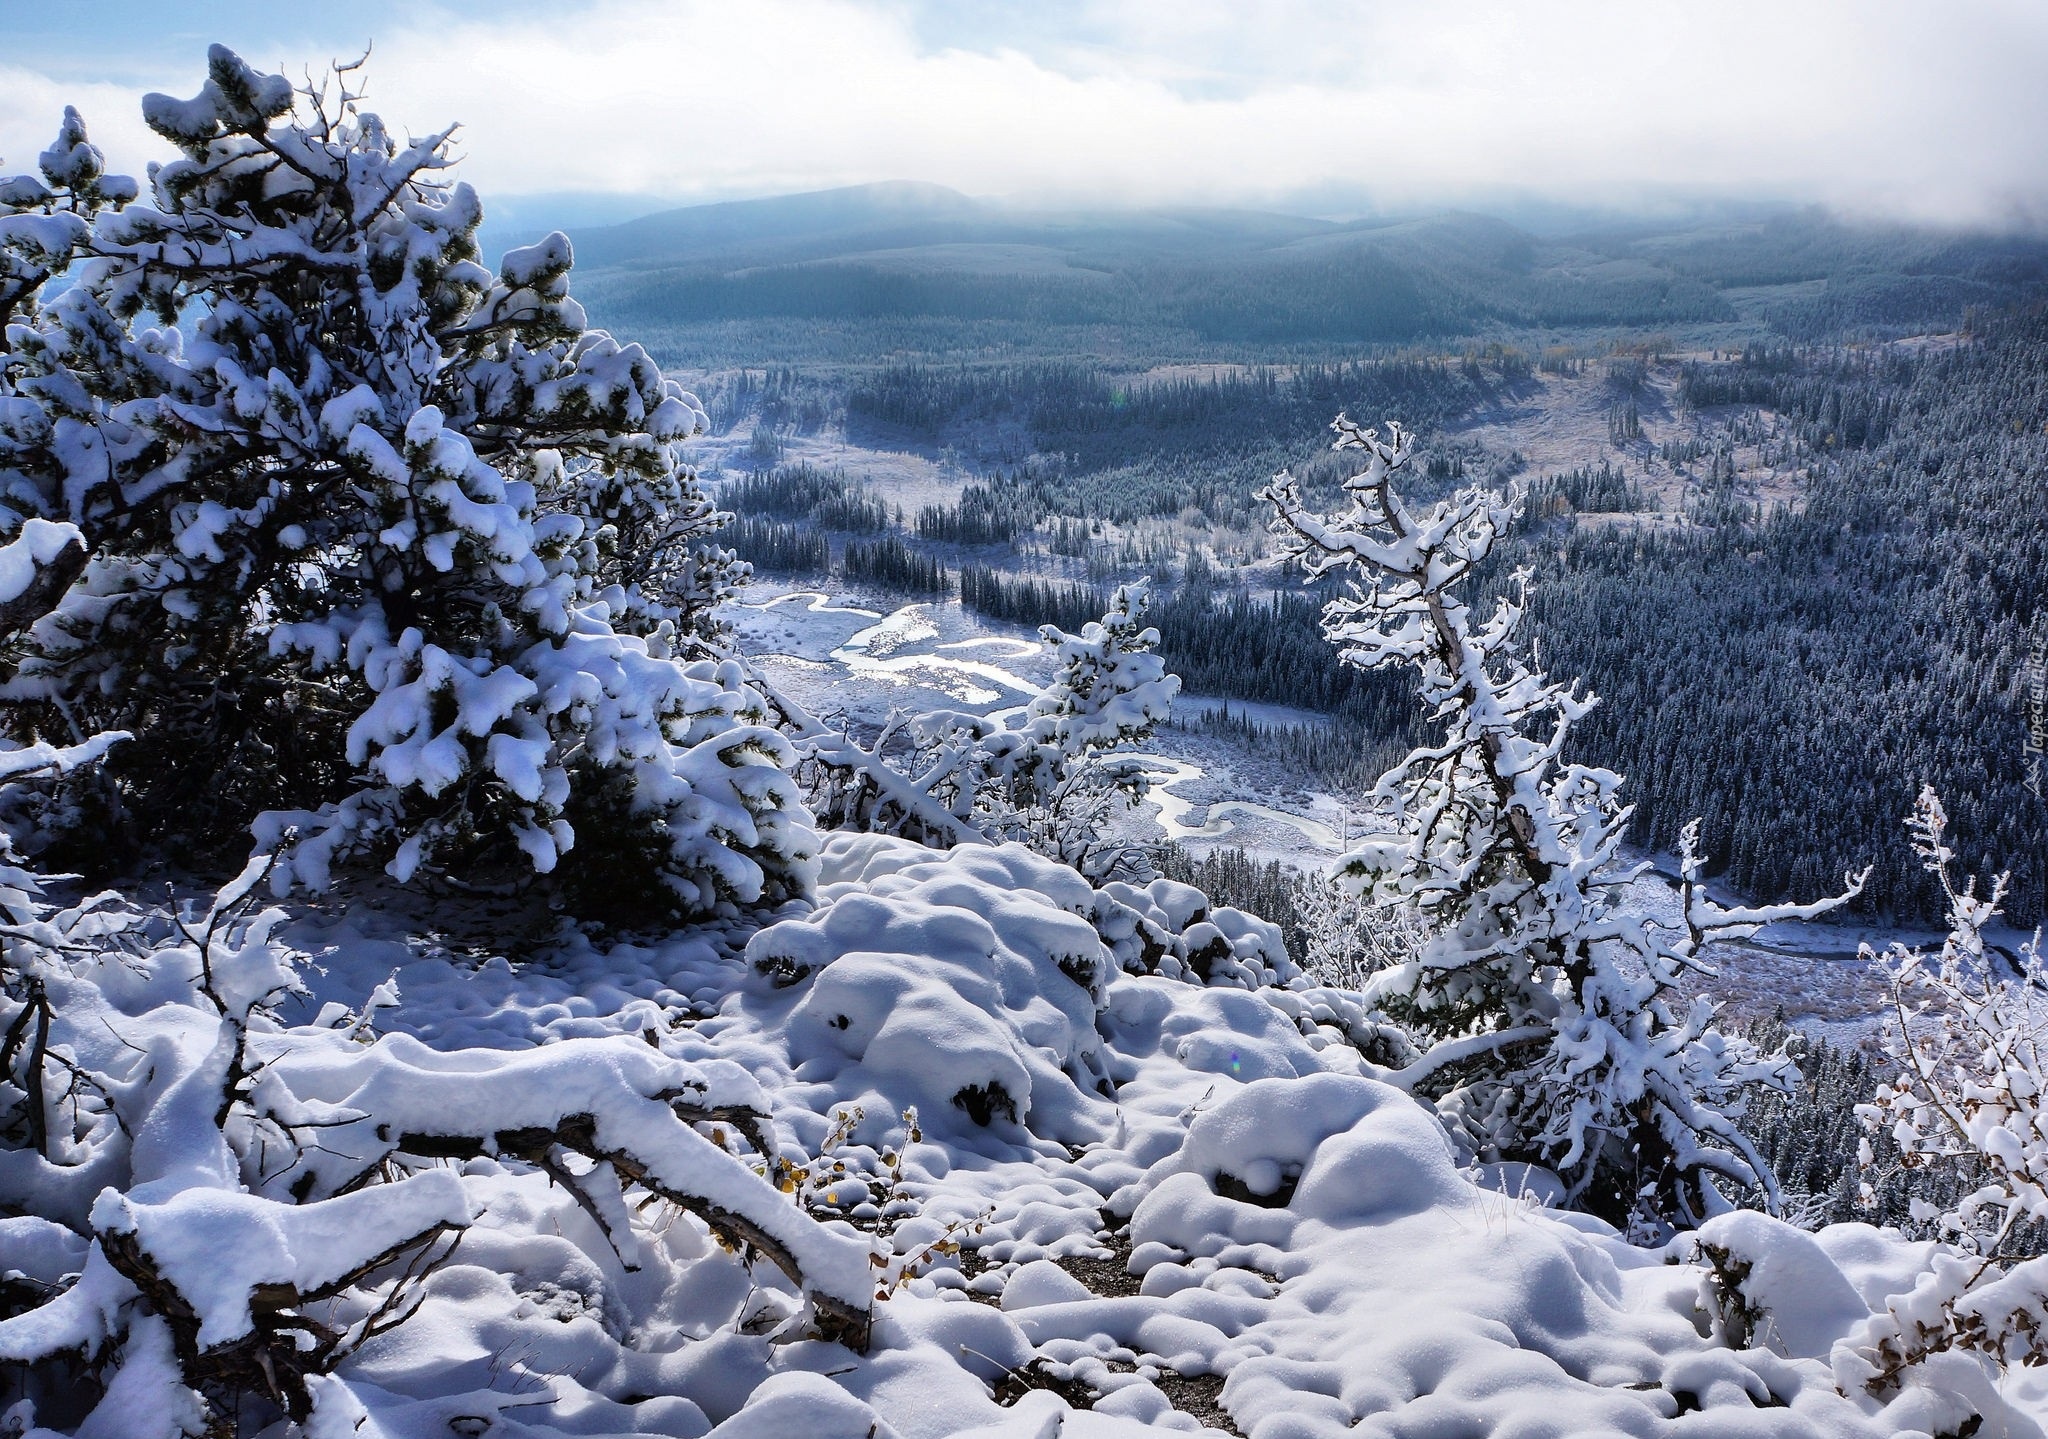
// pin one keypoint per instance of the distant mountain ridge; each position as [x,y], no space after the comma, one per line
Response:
[702,231]
[909,249]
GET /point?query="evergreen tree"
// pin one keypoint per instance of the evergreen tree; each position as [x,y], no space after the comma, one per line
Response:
[388,547]
[1050,777]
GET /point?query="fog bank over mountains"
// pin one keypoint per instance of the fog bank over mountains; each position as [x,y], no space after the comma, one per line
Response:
[911,249]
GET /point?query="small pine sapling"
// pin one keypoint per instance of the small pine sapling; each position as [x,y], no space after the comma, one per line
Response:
[1546,1018]
[1051,778]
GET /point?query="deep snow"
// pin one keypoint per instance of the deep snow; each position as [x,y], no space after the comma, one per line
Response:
[1280,1219]
[1099,1161]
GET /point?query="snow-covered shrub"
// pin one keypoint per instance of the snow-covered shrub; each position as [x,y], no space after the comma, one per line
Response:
[1829,1298]
[371,536]
[1047,777]
[849,1179]
[1771,1285]
[35,566]
[1297,1144]
[1169,928]
[1965,1100]
[1345,942]
[227,1205]
[1552,1016]
[965,985]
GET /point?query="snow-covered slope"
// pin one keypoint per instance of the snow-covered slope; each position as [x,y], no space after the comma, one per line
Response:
[1159,1183]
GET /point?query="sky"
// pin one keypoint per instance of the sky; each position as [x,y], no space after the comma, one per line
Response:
[1902,109]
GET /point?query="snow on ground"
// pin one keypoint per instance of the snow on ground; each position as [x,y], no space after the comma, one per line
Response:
[1180,1203]
[902,477]
[1111,1167]
[1558,423]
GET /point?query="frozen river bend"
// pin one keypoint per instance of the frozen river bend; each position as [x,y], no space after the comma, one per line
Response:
[938,655]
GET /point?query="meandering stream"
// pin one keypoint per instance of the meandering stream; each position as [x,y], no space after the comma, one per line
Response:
[905,647]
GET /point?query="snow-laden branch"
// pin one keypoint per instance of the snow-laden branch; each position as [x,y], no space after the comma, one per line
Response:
[616,1101]
[1968,1100]
[226,1203]
[1448,1052]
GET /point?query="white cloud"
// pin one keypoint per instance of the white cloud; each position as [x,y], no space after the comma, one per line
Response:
[1893,106]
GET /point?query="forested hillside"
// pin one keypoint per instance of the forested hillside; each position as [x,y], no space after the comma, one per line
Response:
[1110,449]
[1795,678]
[845,277]
[1818,601]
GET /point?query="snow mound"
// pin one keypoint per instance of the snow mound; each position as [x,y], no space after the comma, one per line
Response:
[1172,929]
[953,983]
[1776,1287]
[1331,1147]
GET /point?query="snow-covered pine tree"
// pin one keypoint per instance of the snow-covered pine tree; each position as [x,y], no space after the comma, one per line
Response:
[205,1203]
[373,540]
[1546,1018]
[1052,779]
